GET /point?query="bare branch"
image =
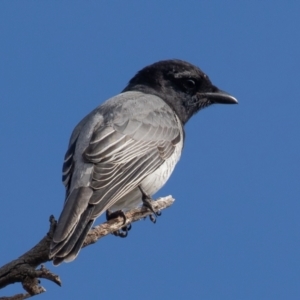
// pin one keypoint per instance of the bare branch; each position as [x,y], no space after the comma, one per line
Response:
[17,297]
[24,269]
[133,215]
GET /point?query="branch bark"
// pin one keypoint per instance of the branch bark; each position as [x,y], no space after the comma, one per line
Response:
[24,269]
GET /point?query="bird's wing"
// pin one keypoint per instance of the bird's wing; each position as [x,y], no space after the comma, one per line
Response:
[69,159]
[126,152]
[142,134]
[135,135]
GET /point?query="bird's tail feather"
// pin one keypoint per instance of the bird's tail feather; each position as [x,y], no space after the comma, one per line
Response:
[73,254]
[70,256]
[72,227]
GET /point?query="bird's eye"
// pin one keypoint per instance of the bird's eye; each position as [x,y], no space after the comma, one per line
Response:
[189,84]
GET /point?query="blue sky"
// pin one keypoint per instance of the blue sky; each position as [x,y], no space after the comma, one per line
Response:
[233,232]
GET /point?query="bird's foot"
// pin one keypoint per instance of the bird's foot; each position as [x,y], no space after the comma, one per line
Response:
[148,203]
[123,232]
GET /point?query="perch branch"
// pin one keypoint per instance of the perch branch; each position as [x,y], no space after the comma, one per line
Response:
[24,269]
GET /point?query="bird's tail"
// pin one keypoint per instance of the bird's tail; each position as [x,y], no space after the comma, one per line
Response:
[72,227]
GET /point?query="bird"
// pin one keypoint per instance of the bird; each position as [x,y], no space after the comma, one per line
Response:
[125,150]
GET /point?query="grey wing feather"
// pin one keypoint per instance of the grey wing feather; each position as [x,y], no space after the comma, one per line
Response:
[129,148]
[76,204]
[69,163]
[110,152]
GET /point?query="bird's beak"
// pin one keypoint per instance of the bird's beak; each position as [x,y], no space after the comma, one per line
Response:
[221,97]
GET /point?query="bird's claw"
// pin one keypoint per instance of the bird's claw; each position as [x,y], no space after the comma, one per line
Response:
[123,232]
[153,216]
[147,202]
[112,215]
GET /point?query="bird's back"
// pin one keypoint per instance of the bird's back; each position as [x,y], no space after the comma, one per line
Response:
[132,139]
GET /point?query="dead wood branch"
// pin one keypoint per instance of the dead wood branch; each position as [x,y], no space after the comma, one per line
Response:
[24,269]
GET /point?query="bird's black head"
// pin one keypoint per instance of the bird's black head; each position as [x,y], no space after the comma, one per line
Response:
[180,84]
